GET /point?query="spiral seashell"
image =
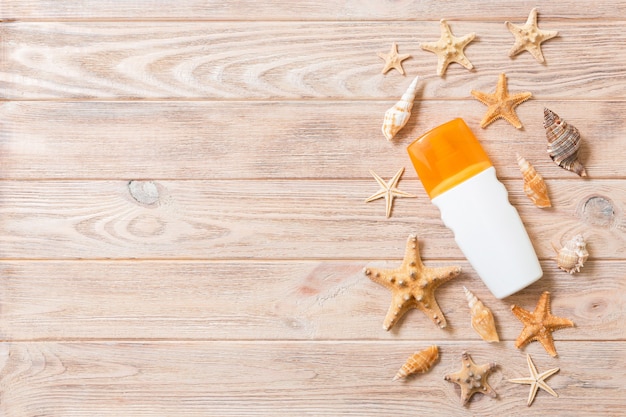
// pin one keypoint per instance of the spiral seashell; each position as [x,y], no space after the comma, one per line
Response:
[482,318]
[398,115]
[563,142]
[420,362]
[571,257]
[534,186]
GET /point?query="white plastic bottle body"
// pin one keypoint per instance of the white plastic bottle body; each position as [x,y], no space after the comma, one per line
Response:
[490,233]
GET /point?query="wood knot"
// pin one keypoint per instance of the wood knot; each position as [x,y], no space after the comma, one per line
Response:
[599,211]
[596,308]
[144,192]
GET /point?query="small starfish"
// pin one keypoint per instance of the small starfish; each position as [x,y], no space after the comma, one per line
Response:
[472,378]
[536,380]
[539,324]
[393,60]
[449,48]
[529,38]
[413,285]
[388,190]
[500,104]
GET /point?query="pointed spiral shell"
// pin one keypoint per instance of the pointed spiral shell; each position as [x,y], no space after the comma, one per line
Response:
[396,117]
[534,186]
[571,257]
[482,318]
[563,142]
[420,361]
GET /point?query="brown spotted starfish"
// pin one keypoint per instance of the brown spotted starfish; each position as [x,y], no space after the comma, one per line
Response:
[472,378]
[393,59]
[536,380]
[413,285]
[449,48]
[501,104]
[529,37]
[539,324]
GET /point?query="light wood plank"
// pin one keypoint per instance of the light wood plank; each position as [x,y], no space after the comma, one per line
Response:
[275,219]
[278,60]
[306,10]
[292,378]
[293,139]
[278,300]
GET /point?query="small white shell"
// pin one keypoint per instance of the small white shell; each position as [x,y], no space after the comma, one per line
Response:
[398,115]
[571,257]
[482,318]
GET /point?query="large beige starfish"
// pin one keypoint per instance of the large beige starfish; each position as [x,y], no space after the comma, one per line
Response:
[388,190]
[413,285]
[472,378]
[393,59]
[539,324]
[536,380]
[501,104]
[449,48]
[529,37]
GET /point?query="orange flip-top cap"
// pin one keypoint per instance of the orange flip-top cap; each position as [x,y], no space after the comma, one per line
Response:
[446,156]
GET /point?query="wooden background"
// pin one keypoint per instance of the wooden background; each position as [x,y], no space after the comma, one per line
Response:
[182,218]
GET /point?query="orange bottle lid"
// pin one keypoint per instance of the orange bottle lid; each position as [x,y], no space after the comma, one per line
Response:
[446,156]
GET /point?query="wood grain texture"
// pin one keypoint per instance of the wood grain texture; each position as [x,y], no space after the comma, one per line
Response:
[290,139]
[276,219]
[323,300]
[290,378]
[306,10]
[293,60]
[182,221]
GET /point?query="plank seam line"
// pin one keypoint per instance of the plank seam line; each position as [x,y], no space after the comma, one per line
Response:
[270,179]
[279,341]
[260,260]
[291,100]
[117,19]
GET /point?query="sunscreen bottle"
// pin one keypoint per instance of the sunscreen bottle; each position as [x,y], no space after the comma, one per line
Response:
[461,181]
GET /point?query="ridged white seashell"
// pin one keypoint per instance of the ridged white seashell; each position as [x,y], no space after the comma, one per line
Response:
[482,318]
[534,186]
[420,361]
[398,115]
[563,142]
[571,257]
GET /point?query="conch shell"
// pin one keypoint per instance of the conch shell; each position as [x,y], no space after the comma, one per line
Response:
[571,257]
[563,142]
[534,186]
[398,115]
[482,318]
[420,362]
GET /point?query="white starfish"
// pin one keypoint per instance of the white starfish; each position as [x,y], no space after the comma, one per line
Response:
[388,190]
[536,380]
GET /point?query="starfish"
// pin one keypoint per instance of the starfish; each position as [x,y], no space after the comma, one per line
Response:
[472,378]
[388,190]
[529,38]
[413,285]
[449,48]
[539,324]
[393,60]
[500,104]
[536,380]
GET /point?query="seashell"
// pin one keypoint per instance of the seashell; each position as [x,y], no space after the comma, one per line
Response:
[571,257]
[398,115]
[482,318]
[534,186]
[564,141]
[420,362]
